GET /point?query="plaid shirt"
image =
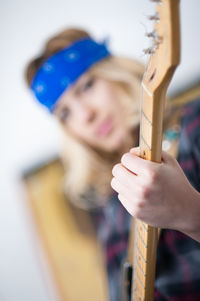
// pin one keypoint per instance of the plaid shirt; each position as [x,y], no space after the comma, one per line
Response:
[113,223]
[178,256]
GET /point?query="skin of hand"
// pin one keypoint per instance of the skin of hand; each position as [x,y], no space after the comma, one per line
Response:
[158,194]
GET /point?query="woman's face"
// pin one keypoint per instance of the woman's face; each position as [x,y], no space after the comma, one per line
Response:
[91,111]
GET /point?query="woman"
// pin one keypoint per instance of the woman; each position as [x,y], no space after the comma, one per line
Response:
[95,96]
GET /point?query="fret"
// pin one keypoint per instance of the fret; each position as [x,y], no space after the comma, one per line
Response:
[141,269]
[142,261]
[140,279]
[140,248]
[141,236]
[142,139]
[138,273]
[143,231]
[145,152]
[138,289]
[147,119]
[138,297]
[146,90]
[147,105]
[140,252]
[143,225]
[145,131]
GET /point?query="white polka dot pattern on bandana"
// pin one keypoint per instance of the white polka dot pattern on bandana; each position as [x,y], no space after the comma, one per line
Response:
[72,56]
[40,88]
[48,67]
[65,81]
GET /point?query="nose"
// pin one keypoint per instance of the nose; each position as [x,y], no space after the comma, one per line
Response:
[86,113]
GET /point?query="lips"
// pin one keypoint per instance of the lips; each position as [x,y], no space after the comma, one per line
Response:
[104,128]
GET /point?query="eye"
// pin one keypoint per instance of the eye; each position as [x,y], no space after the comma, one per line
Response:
[64,114]
[88,84]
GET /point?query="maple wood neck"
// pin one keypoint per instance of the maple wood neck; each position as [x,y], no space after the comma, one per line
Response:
[146,237]
[154,86]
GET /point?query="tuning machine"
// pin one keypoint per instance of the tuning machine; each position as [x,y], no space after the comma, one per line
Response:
[156,41]
[154,17]
[156,1]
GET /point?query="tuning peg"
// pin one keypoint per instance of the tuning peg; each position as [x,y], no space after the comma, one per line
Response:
[157,1]
[150,50]
[156,41]
[154,35]
[155,17]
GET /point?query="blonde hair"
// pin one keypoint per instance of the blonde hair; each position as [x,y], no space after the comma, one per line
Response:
[88,171]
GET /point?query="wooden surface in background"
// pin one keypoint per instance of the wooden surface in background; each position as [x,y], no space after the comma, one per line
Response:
[73,253]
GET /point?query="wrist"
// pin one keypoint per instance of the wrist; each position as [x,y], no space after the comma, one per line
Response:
[192,222]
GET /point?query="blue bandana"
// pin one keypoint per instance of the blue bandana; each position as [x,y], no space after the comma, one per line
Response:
[64,68]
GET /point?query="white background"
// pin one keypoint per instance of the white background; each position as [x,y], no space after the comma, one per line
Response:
[29,134]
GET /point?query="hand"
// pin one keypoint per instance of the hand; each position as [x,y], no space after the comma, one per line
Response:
[158,194]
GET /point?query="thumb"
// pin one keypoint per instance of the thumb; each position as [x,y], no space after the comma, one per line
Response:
[167,158]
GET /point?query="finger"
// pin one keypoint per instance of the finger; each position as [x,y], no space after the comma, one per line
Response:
[137,165]
[167,158]
[123,189]
[126,204]
[135,151]
[123,175]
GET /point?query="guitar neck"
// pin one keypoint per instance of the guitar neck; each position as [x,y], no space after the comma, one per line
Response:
[160,69]
[151,124]
[146,237]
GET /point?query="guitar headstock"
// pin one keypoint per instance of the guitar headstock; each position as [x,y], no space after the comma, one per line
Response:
[165,51]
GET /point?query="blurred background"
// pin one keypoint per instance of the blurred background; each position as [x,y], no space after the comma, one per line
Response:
[29,135]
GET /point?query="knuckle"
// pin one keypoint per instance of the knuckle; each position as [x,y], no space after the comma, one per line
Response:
[154,174]
[125,158]
[145,192]
[141,204]
[113,183]
[139,208]
[115,169]
[137,213]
